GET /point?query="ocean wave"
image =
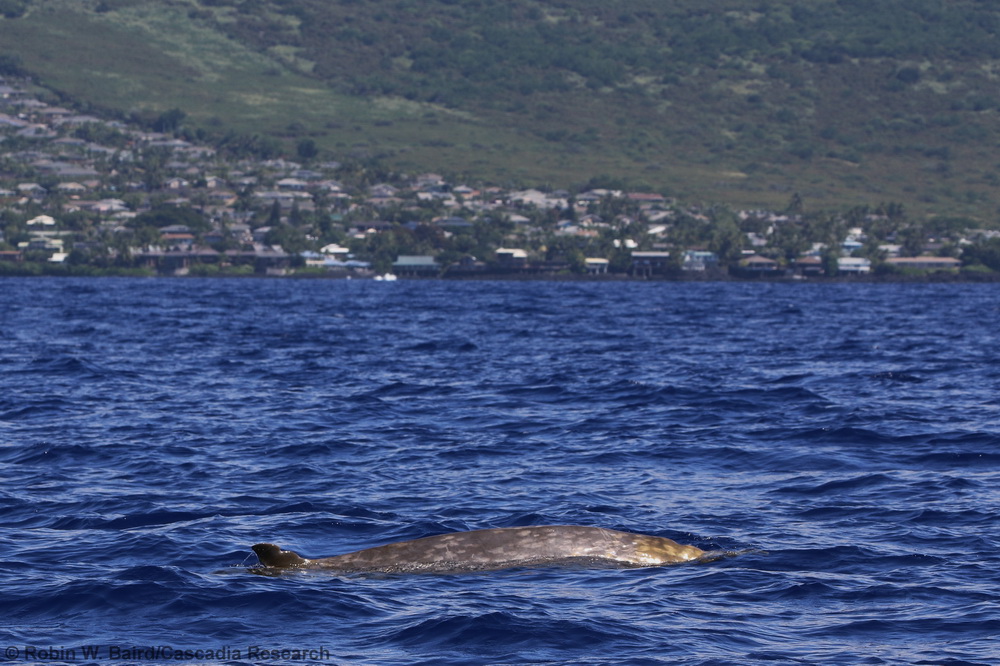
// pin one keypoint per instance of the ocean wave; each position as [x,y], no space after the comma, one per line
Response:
[151,431]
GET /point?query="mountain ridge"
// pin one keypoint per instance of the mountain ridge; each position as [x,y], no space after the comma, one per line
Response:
[839,102]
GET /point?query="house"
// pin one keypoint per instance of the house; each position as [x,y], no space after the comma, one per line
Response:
[69,142]
[585,199]
[332,264]
[453,222]
[428,180]
[853,266]
[37,131]
[102,206]
[646,198]
[10,92]
[177,240]
[467,265]
[76,120]
[286,199]
[809,266]
[41,221]
[647,263]
[11,121]
[364,227]
[335,250]
[314,259]
[925,263]
[171,144]
[592,221]
[596,265]
[538,199]
[31,189]
[567,228]
[176,261]
[415,265]
[851,244]
[53,112]
[382,191]
[330,186]
[42,244]
[756,265]
[71,188]
[511,257]
[215,236]
[699,260]
[292,185]
[270,260]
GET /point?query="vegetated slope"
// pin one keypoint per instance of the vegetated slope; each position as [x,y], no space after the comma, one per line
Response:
[842,101]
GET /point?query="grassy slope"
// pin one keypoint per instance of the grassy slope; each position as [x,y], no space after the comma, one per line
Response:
[738,130]
[142,60]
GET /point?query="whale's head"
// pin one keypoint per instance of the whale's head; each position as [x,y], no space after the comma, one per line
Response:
[657,550]
[272,556]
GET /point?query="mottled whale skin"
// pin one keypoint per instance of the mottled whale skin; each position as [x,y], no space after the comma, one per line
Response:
[498,548]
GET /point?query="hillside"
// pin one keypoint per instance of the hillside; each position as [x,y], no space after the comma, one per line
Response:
[842,102]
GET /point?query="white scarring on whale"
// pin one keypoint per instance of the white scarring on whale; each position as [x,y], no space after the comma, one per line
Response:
[497,548]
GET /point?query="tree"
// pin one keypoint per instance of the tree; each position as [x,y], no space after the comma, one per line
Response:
[307,149]
[794,206]
[169,121]
[913,239]
[290,239]
[727,239]
[789,239]
[165,216]
[830,264]
[12,9]
[10,65]
[274,216]
[986,253]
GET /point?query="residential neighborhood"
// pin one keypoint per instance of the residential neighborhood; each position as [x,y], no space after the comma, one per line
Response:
[80,194]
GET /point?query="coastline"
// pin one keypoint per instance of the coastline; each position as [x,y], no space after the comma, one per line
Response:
[936,277]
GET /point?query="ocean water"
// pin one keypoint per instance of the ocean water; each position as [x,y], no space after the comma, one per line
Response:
[846,436]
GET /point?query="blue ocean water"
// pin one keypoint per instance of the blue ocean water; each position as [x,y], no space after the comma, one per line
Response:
[846,435]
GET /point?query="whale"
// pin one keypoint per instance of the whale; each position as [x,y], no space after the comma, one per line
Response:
[496,548]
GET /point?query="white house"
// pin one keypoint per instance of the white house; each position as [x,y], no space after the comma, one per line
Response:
[853,265]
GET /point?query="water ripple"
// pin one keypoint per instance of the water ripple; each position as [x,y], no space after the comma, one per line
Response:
[842,439]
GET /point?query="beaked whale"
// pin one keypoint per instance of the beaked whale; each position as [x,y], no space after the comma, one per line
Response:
[498,548]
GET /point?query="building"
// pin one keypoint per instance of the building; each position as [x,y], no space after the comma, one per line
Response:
[925,263]
[512,257]
[853,266]
[596,265]
[648,263]
[756,265]
[416,266]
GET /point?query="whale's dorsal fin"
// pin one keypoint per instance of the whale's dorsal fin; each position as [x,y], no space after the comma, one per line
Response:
[272,556]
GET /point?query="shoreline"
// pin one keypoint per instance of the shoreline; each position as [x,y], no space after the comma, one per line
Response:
[938,277]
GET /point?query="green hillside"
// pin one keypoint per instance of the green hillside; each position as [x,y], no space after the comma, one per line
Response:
[841,101]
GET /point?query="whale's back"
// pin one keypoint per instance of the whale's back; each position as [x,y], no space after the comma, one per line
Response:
[500,548]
